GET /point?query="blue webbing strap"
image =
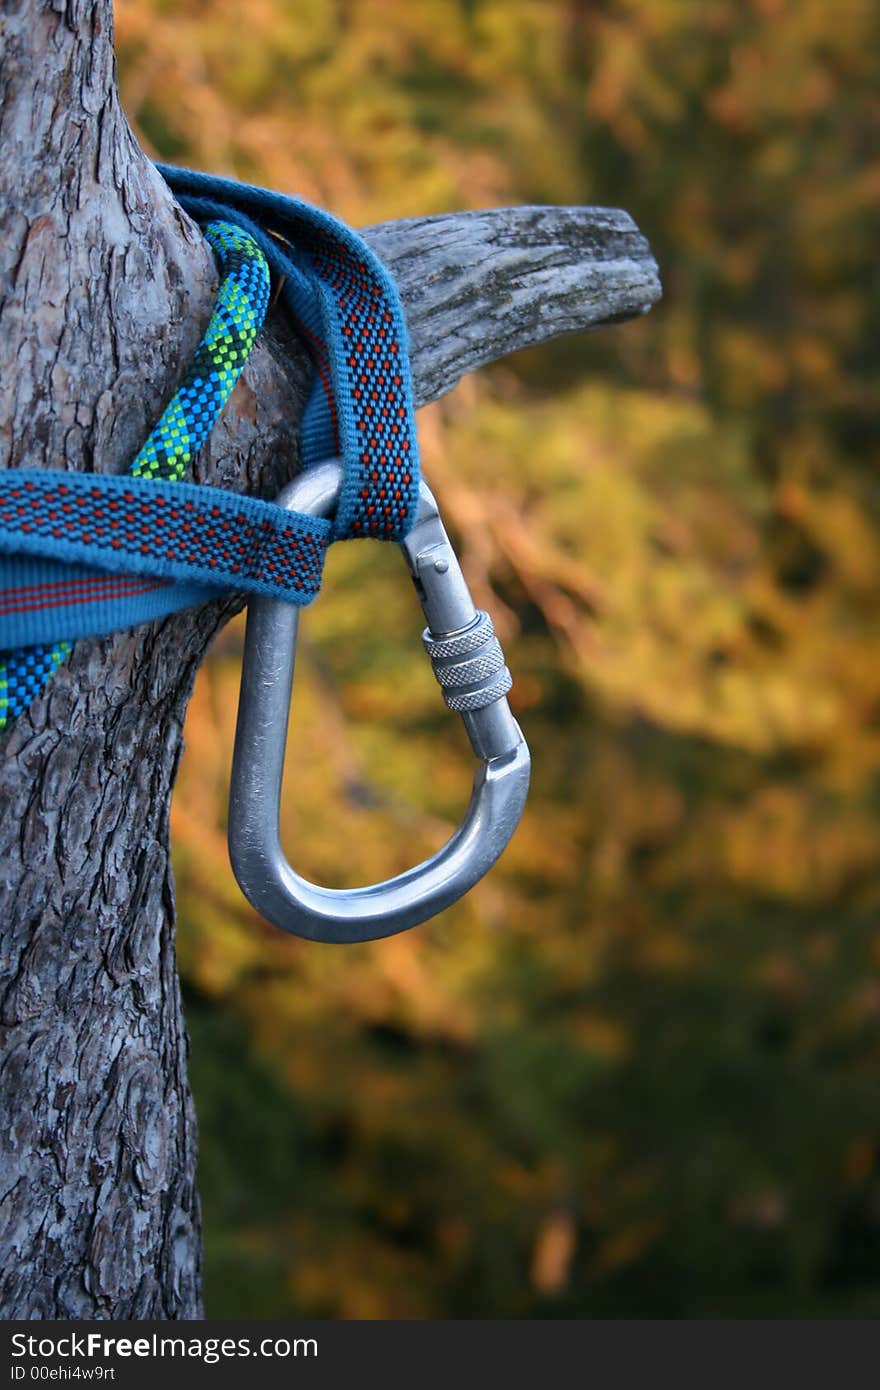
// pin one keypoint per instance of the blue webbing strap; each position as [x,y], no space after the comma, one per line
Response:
[85,554]
[125,541]
[345,304]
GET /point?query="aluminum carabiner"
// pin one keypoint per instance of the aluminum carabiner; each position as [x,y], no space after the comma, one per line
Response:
[469,665]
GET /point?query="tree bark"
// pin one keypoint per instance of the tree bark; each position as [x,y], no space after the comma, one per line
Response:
[106,288]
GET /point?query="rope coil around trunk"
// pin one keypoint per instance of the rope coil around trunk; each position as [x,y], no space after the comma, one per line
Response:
[82,554]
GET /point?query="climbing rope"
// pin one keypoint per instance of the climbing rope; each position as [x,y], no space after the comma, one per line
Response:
[82,554]
[182,429]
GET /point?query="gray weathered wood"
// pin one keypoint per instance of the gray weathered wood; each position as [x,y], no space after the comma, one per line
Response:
[478,285]
[105,288]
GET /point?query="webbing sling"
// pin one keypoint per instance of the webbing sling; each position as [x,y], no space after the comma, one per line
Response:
[87,553]
[82,554]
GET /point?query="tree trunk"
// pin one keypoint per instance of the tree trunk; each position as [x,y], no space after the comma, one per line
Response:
[106,289]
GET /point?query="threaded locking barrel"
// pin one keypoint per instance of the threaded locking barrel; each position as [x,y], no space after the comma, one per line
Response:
[469,665]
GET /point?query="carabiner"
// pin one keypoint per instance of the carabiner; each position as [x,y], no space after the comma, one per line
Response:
[469,665]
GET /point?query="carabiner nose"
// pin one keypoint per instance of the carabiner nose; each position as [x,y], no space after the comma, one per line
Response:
[469,666]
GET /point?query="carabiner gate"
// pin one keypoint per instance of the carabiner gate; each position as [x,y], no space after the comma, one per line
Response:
[469,665]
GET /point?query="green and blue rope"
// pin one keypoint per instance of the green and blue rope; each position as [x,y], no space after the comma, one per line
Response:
[184,425]
[82,554]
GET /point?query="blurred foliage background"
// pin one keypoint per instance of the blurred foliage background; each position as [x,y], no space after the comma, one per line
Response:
[636,1073]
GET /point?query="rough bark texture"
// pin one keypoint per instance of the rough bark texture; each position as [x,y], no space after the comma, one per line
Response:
[106,288]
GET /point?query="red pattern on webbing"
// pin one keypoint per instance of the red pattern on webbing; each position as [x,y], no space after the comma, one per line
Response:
[36,598]
[144,525]
[376,392]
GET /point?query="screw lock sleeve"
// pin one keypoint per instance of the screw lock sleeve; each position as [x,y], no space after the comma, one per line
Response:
[469,665]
